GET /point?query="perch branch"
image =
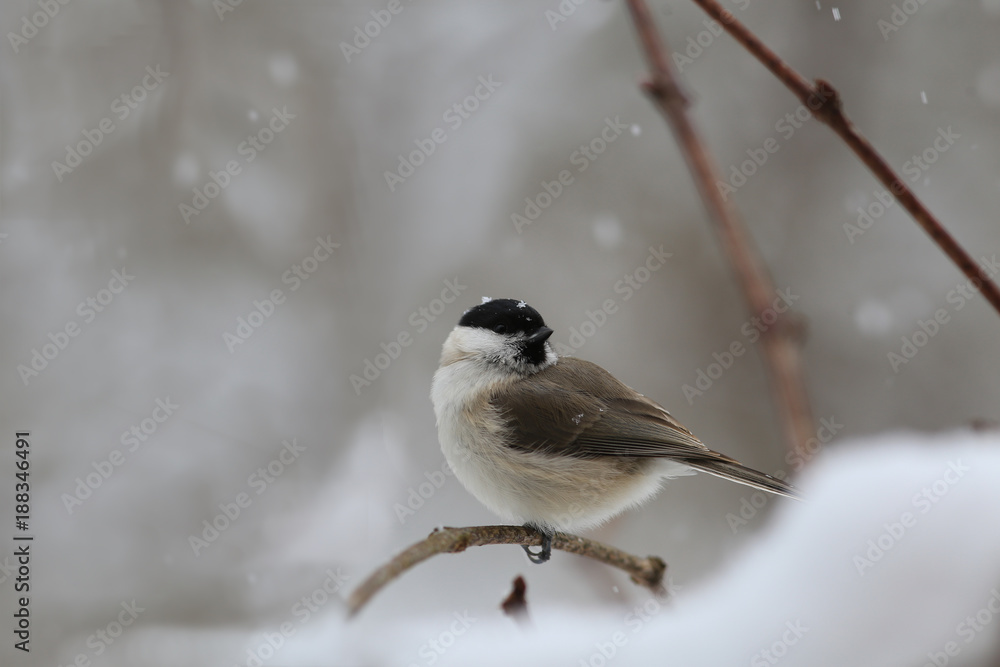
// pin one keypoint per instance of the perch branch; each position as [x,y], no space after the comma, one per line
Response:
[780,342]
[646,572]
[824,102]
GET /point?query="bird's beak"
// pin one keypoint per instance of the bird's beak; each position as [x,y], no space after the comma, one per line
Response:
[540,336]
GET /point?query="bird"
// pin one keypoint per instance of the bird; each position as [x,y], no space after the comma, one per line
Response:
[557,443]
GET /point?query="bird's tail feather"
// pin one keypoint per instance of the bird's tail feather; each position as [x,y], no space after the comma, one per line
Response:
[737,472]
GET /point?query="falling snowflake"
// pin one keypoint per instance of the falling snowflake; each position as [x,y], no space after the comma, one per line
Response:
[487,299]
[576,420]
[522,304]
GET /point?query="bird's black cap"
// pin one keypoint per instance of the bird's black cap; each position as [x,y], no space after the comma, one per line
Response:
[503,316]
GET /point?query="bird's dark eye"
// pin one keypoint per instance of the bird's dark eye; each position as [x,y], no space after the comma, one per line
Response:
[500,329]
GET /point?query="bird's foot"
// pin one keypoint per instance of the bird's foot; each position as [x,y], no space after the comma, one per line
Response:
[545,553]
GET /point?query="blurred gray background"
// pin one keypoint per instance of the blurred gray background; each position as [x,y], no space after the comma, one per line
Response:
[331,113]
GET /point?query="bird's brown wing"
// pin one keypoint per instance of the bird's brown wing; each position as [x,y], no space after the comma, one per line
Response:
[607,419]
[545,415]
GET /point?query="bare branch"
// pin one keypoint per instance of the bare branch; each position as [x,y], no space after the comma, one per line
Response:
[824,102]
[780,343]
[646,572]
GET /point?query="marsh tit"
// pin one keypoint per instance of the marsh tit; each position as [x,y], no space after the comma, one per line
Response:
[556,443]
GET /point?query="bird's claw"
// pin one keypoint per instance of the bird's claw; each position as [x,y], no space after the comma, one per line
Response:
[545,553]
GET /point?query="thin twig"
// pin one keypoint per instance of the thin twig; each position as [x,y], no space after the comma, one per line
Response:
[646,572]
[780,342]
[824,102]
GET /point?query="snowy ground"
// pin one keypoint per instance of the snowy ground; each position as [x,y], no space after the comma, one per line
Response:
[232,243]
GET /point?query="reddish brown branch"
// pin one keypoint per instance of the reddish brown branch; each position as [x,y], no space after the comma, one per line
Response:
[646,572]
[824,101]
[780,342]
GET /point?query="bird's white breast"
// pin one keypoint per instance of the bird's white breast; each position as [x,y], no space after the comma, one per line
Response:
[469,430]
